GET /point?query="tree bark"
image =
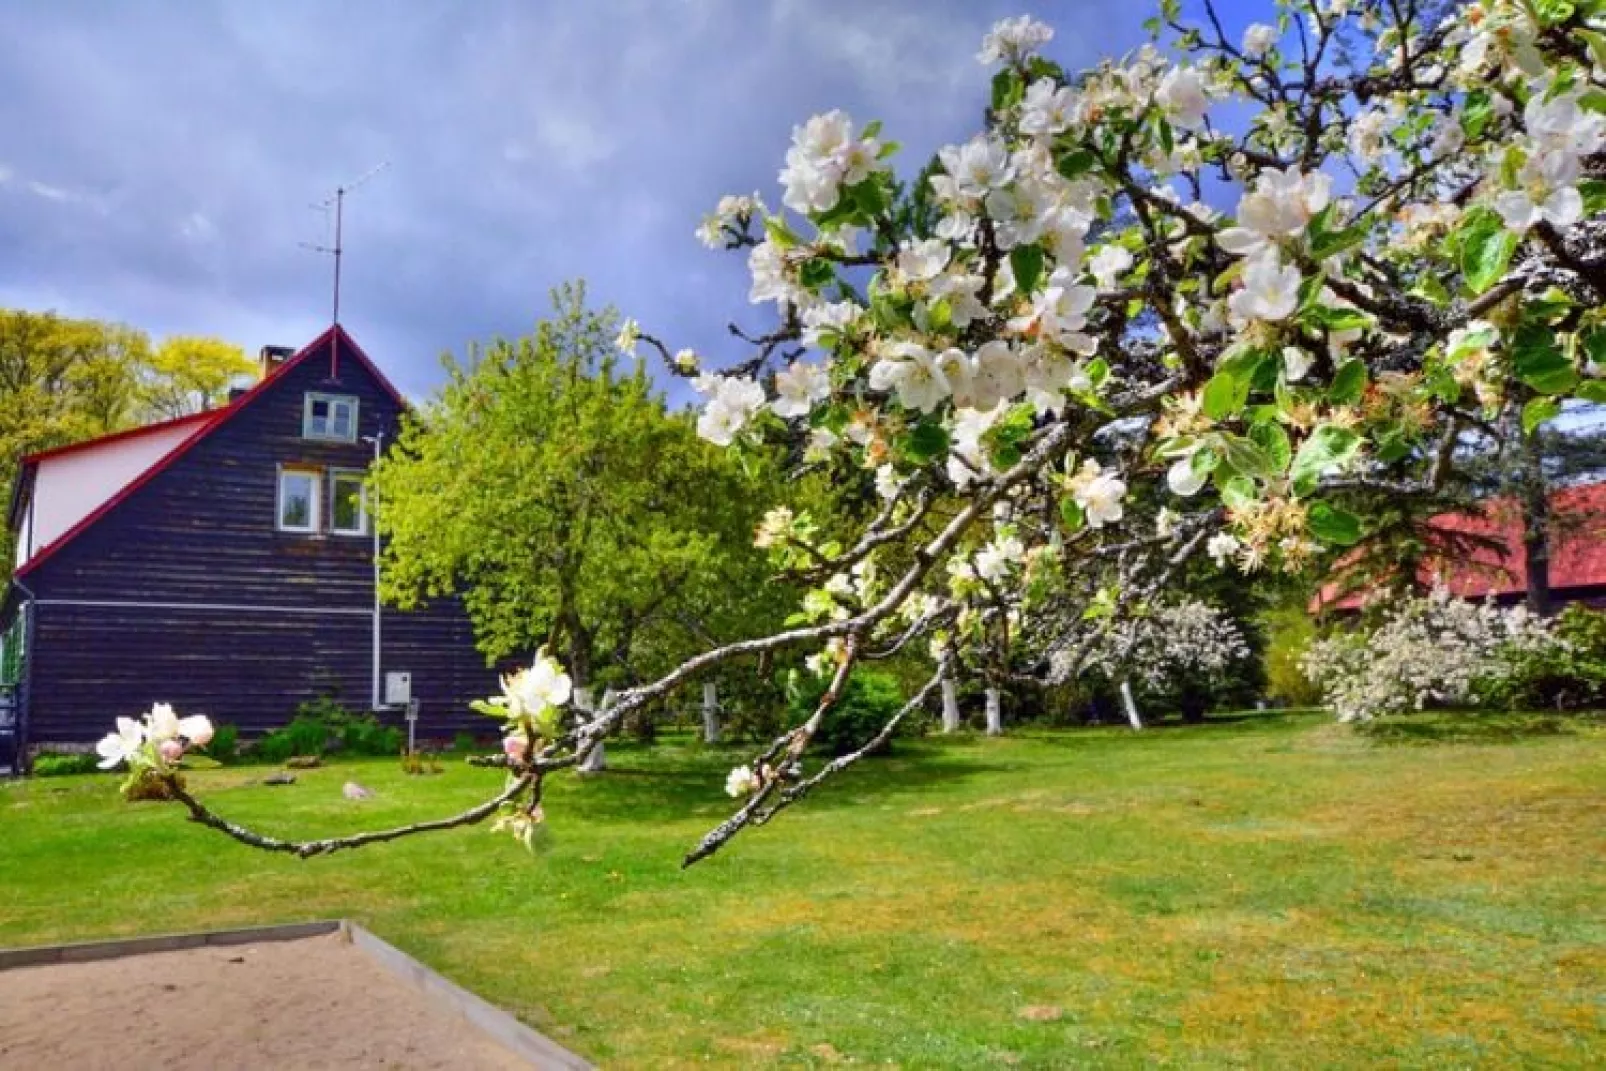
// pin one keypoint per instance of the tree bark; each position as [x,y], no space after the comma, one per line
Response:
[596,760]
[950,706]
[1535,526]
[995,713]
[710,713]
[1130,705]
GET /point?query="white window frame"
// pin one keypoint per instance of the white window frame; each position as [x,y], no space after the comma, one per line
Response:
[335,476]
[315,500]
[333,400]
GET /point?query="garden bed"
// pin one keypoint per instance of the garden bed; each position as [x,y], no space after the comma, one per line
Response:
[337,999]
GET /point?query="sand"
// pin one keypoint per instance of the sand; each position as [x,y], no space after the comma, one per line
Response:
[313,1003]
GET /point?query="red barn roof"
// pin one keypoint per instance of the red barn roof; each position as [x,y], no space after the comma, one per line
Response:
[1577,550]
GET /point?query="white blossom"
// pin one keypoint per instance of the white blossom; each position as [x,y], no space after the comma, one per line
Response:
[1011,40]
[799,387]
[735,401]
[1259,39]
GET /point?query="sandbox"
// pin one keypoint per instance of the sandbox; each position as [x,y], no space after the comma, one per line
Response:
[339,998]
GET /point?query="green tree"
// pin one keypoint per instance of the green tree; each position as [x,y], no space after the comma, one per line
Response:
[188,373]
[62,381]
[571,508]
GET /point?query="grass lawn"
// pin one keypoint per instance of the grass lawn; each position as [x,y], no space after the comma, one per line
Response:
[1277,891]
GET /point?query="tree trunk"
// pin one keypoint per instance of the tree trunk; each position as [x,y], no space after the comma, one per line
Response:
[1130,705]
[1534,500]
[1535,526]
[950,706]
[995,713]
[710,713]
[595,761]
[1193,705]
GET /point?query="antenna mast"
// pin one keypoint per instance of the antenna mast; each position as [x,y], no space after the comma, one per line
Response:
[337,201]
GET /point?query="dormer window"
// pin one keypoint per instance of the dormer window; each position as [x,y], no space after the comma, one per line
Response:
[330,416]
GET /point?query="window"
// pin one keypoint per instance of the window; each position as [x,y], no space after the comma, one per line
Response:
[298,500]
[330,416]
[348,503]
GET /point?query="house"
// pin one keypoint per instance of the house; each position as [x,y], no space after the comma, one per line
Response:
[1483,557]
[224,562]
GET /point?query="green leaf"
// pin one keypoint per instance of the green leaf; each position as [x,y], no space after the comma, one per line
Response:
[1008,89]
[1484,248]
[1334,318]
[1072,514]
[1247,456]
[1237,492]
[1537,411]
[1476,111]
[1326,447]
[1594,194]
[1538,361]
[1271,438]
[1027,260]
[1224,395]
[1597,45]
[1349,383]
[1592,390]
[1593,99]
[816,273]
[924,442]
[1431,290]
[1332,243]
[939,315]
[1333,525]
[780,233]
[1075,163]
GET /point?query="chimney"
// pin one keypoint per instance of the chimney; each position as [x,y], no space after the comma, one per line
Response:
[273,357]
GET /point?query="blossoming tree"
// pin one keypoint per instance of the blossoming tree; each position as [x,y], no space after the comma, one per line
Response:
[1206,298]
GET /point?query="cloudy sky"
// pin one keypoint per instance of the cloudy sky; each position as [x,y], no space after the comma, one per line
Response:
[158,160]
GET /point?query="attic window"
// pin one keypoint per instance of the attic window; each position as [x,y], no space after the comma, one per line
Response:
[330,416]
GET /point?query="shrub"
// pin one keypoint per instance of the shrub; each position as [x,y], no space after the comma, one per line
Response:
[463,743]
[1289,632]
[225,745]
[1567,675]
[304,735]
[323,725]
[1433,649]
[867,703]
[58,764]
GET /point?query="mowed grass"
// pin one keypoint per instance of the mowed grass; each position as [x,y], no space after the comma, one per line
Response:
[1271,892]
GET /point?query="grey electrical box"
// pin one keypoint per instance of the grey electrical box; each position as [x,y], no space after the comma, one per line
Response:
[398,689]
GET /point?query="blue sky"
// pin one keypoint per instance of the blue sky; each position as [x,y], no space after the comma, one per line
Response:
[158,160]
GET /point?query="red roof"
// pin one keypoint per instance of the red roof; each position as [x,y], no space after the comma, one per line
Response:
[340,344]
[1577,549]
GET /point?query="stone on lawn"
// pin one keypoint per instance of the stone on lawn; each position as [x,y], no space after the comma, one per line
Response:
[354,791]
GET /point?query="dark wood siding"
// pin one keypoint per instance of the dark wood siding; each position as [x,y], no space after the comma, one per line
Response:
[204,603]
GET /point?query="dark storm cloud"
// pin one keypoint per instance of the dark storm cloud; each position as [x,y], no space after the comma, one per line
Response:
[158,160]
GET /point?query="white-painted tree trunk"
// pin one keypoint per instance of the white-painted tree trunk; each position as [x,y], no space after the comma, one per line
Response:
[950,706]
[1131,706]
[710,713]
[995,713]
[595,761]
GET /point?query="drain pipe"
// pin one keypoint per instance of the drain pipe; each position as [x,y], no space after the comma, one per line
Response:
[378,439]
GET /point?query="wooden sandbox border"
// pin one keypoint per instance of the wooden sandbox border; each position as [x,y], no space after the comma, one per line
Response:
[540,1050]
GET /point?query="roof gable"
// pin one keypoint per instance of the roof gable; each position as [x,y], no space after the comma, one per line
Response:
[334,344]
[1577,550]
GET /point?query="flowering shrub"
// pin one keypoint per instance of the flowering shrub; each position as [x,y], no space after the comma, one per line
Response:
[1428,649]
[1170,642]
[1066,311]
[1569,674]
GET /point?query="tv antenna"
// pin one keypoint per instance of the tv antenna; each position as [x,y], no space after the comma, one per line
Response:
[337,202]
